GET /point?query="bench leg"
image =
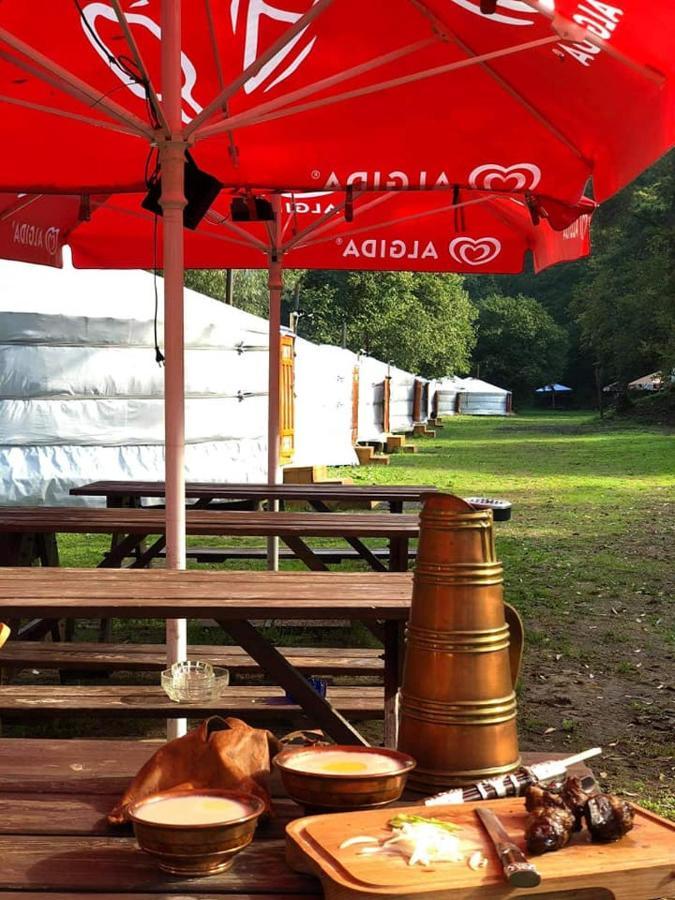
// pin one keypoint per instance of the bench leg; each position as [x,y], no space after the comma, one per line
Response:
[393,672]
[316,708]
[304,553]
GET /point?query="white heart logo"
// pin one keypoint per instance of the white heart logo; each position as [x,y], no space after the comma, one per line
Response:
[474,251]
[518,177]
[510,6]
[286,60]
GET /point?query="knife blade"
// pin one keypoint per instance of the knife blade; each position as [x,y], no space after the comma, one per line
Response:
[518,871]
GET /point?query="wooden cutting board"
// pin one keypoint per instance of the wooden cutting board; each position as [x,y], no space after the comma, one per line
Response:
[641,866]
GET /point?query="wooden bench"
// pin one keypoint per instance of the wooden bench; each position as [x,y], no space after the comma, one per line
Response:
[255,704]
[85,655]
[138,524]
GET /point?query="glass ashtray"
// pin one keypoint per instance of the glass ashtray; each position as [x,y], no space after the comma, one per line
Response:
[194,682]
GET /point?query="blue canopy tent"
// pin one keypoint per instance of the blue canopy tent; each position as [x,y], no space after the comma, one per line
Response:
[554,389]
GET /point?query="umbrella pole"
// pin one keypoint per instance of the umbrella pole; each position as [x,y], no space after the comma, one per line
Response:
[172,160]
[274,362]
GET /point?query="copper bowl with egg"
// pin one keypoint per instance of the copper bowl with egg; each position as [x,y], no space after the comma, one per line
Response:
[196,848]
[342,777]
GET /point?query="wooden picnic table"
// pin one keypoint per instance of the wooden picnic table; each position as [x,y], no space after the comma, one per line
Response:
[55,842]
[317,495]
[205,493]
[138,524]
[233,599]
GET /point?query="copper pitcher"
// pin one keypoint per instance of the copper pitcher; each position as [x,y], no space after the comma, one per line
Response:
[457,703]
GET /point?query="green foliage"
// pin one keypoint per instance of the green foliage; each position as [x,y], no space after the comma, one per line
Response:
[420,322]
[618,307]
[520,347]
[250,291]
[626,305]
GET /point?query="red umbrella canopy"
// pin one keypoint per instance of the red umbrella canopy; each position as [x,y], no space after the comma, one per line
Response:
[501,95]
[475,232]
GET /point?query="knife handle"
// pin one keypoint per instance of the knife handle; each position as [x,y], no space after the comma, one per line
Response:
[518,870]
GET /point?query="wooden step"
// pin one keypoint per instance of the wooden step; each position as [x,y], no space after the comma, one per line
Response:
[368,457]
[305,474]
[421,430]
[89,655]
[395,442]
[253,704]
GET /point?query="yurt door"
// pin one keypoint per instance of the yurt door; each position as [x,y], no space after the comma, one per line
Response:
[386,404]
[355,405]
[417,401]
[287,399]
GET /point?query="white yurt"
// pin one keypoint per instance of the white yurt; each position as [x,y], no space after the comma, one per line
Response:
[478,398]
[324,378]
[81,394]
[445,396]
[401,418]
[372,373]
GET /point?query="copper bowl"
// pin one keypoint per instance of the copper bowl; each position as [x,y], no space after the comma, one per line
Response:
[195,850]
[333,791]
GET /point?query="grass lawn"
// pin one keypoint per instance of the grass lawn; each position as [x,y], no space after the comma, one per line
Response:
[589,564]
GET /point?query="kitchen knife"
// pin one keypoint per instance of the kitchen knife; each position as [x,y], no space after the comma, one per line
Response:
[517,870]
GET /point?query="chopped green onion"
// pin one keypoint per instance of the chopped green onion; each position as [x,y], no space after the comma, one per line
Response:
[405,819]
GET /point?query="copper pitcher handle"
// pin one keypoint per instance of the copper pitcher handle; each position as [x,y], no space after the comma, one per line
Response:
[516,640]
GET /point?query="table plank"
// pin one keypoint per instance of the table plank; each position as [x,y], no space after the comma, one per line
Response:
[252,491]
[147,520]
[252,703]
[71,766]
[184,895]
[213,594]
[152,657]
[66,863]
[46,813]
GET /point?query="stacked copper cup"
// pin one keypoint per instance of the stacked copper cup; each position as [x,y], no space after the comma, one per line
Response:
[457,704]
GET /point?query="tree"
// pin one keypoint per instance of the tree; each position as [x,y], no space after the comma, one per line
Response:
[625,307]
[250,290]
[520,346]
[618,307]
[418,321]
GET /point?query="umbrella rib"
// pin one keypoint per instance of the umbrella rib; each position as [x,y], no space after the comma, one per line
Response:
[248,238]
[251,116]
[137,214]
[138,59]
[216,105]
[296,239]
[240,120]
[408,218]
[21,203]
[318,227]
[501,81]
[214,44]
[54,111]
[570,32]
[50,71]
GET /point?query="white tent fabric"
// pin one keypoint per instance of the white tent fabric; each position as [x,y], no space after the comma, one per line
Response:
[323,405]
[81,393]
[470,396]
[402,400]
[372,373]
[478,398]
[445,391]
